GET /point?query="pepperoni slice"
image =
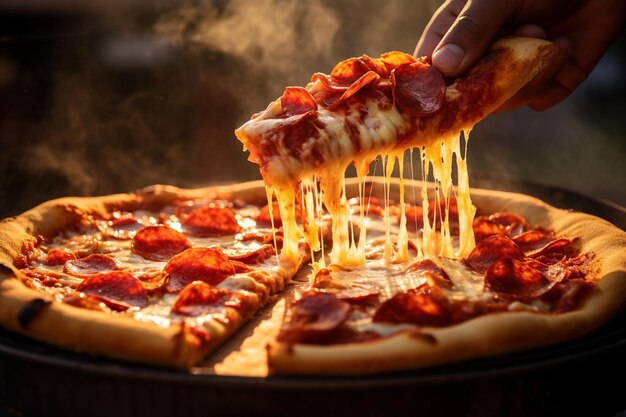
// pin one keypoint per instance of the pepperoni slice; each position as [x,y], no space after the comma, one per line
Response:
[297,100]
[313,318]
[509,224]
[562,246]
[118,289]
[256,256]
[511,278]
[211,221]
[240,267]
[197,264]
[159,243]
[89,265]
[348,71]
[431,270]
[122,227]
[394,59]
[490,250]
[200,298]
[366,79]
[418,88]
[329,85]
[375,65]
[533,240]
[57,256]
[418,306]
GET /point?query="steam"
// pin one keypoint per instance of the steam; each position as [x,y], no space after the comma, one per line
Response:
[261,34]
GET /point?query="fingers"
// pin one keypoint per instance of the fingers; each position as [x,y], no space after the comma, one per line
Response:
[474,29]
[531,31]
[438,26]
[566,81]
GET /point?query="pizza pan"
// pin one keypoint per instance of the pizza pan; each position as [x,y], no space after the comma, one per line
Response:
[580,377]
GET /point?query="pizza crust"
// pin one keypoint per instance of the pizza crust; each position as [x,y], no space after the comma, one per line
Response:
[490,334]
[111,334]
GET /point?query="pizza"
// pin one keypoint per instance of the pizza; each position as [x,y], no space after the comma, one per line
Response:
[162,275]
[537,276]
[393,273]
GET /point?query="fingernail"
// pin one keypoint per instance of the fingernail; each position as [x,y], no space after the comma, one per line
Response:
[449,57]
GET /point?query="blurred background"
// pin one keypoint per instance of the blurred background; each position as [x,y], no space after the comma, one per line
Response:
[98,97]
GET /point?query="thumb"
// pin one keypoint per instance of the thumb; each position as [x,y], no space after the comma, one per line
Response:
[472,32]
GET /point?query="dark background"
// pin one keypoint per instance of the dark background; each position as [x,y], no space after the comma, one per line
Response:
[103,97]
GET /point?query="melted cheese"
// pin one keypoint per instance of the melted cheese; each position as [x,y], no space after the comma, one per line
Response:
[326,189]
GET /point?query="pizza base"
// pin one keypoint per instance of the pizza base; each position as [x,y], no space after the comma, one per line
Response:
[489,334]
[96,332]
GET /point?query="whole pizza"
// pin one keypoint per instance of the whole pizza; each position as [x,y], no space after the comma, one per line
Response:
[335,275]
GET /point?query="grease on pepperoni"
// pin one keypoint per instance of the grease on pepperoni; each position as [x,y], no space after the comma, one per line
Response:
[313,318]
[512,278]
[509,224]
[117,289]
[200,298]
[89,265]
[490,250]
[430,270]
[121,227]
[418,306]
[211,221]
[394,59]
[197,264]
[418,88]
[348,71]
[159,243]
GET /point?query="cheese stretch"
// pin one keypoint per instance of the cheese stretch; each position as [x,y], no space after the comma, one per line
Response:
[302,192]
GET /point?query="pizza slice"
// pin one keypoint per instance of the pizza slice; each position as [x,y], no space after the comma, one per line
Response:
[369,107]
[537,276]
[163,275]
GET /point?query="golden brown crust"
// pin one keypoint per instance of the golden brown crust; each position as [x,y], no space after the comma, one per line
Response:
[490,334]
[509,65]
[111,334]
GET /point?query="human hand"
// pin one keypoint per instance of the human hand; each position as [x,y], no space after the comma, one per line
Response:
[460,31]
